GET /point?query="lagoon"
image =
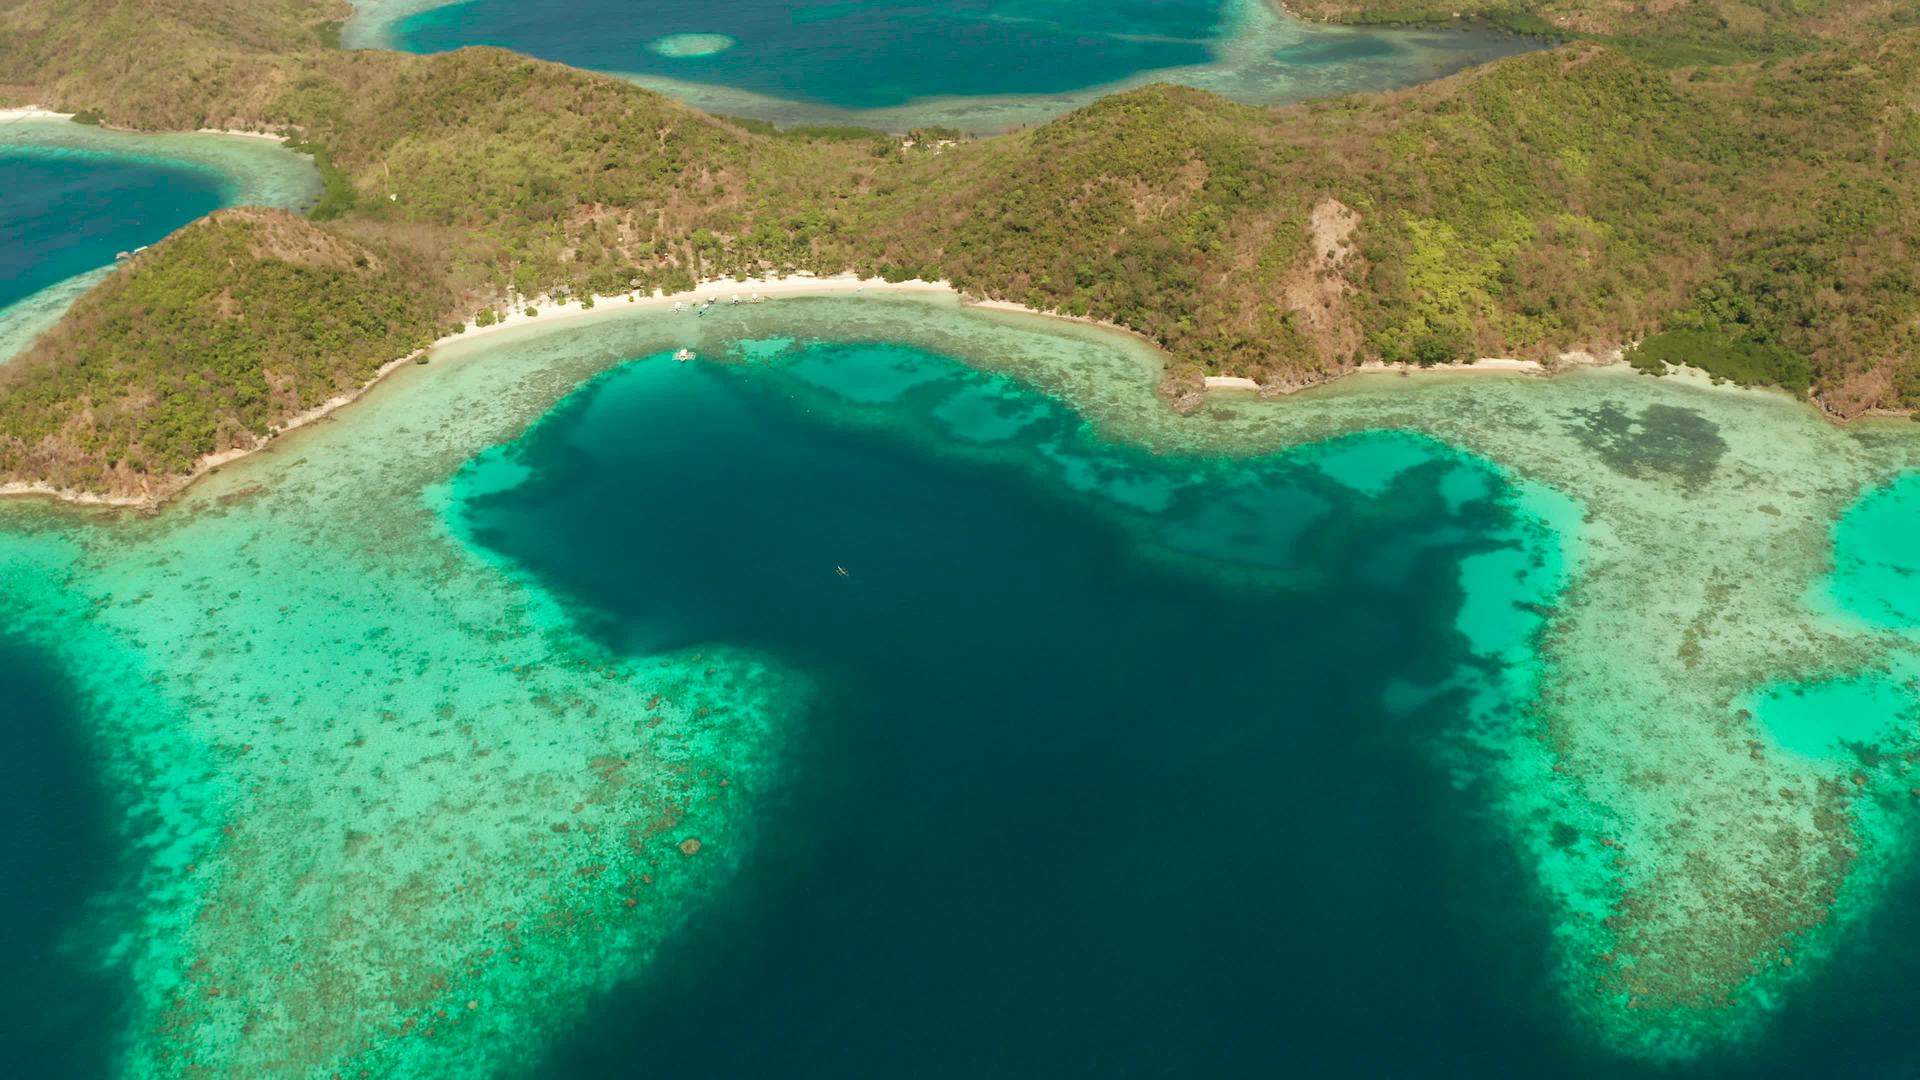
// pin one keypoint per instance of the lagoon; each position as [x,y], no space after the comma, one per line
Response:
[1226,740]
[75,196]
[67,213]
[1098,776]
[978,66]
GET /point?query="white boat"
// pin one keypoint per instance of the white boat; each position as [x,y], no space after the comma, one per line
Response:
[683,355]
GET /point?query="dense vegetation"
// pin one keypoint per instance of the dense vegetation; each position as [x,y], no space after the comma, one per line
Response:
[1741,361]
[1670,32]
[173,64]
[1753,217]
[234,324]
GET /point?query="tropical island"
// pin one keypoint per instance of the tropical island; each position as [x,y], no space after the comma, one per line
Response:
[1726,193]
[471,732]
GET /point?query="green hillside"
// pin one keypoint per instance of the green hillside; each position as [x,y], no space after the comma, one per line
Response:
[1752,217]
[209,341]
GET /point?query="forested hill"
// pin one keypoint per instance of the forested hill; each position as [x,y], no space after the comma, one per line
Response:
[214,338]
[1757,216]
[1674,31]
[161,64]
[1578,197]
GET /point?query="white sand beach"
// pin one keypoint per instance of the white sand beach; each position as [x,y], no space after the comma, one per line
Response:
[1496,364]
[35,112]
[31,112]
[547,312]
[550,311]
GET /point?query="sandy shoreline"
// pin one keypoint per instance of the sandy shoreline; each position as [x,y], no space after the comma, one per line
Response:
[549,312]
[31,112]
[722,291]
[35,112]
[1488,365]
[237,133]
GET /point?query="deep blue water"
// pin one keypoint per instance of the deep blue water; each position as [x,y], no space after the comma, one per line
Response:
[852,55]
[887,53]
[1067,807]
[62,1014]
[65,212]
[1070,804]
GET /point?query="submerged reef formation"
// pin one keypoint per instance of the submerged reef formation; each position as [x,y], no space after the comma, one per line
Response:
[1695,860]
[389,807]
[685,45]
[392,807]
[973,67]
[1698,864]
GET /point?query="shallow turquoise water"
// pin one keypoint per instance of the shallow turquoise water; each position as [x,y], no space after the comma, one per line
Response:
[1853,717]
[825,58]
[64,212]
[1105,777]
[72,196]
[1877,556]
[856,56]
[1096,761]
[1102,778]
[1838,719]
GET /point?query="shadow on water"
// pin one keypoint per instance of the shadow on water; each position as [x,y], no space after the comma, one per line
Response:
[62,1015]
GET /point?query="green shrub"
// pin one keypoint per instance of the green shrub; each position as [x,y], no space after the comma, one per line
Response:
[1745,362]
[338,194]
[154,369]
[1437,349]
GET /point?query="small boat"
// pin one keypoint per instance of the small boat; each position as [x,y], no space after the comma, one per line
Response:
[841,570]
[683,355]
[679,305]
[124,255]
[735,299]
